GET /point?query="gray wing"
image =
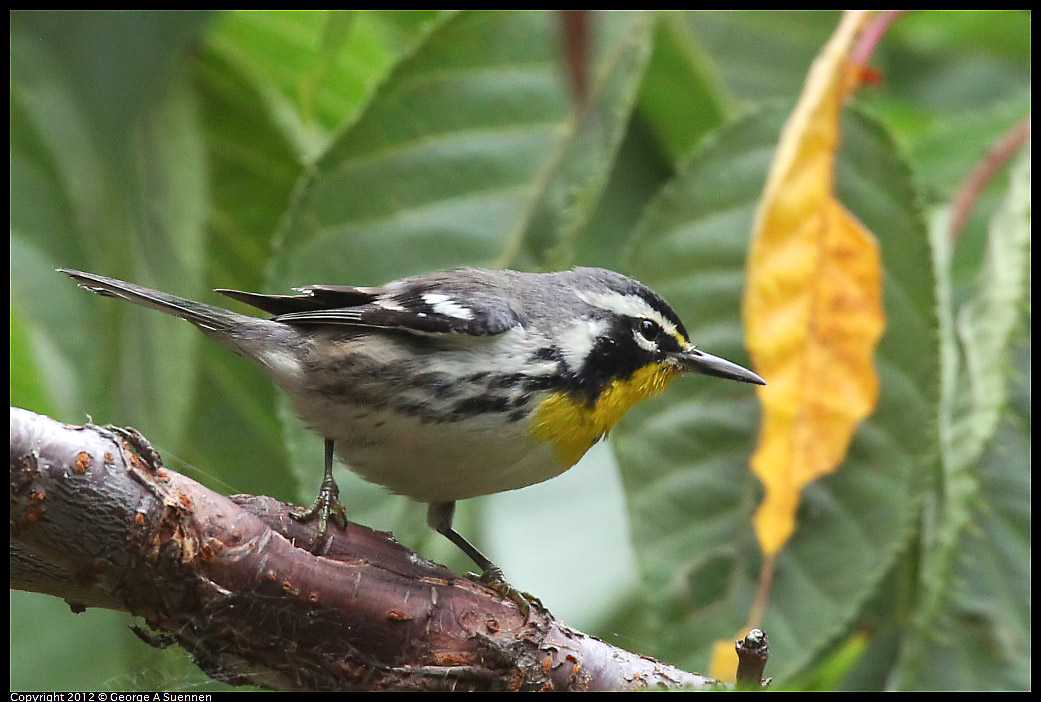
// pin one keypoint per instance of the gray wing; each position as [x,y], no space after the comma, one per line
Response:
[419,309]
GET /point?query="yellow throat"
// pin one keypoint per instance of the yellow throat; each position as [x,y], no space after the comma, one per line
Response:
[574,425]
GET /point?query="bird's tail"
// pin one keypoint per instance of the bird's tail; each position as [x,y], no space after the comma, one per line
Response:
[212,320]
[272,345]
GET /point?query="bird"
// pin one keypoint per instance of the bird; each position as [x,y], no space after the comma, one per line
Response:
[453,384]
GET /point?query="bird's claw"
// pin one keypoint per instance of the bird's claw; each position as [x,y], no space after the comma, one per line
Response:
[494,579]
[326,505]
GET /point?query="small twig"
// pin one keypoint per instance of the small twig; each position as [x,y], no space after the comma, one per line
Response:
[872,35]
[762,592]
[752,654]
[575,40]
[999,154]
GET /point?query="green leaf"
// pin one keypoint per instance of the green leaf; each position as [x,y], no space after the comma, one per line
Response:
[974,397]
[985,324]
[981,637]
[500,172]
[681,95]
[762,55]
[114,63]
[947,148]
[27,389]
[133,208]
[317,67]
[640,171]
[685,457]
[254,168]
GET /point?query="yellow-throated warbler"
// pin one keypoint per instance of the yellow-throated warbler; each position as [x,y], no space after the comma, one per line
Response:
[454,384]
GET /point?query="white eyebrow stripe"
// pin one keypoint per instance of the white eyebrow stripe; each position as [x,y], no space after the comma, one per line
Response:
[629,305]
[442,304]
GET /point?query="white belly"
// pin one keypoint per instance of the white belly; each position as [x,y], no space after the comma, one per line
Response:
[434,462]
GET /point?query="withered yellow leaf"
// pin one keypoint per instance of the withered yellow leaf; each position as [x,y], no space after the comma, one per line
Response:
[813,303]
[724,659]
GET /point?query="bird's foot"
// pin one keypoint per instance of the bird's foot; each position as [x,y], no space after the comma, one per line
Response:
[494,579]
[327,505]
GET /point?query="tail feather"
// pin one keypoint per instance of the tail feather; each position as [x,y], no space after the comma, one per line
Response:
[272,345]
[208,318]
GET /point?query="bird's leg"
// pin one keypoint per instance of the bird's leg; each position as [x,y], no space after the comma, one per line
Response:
[439,517]
[327,503]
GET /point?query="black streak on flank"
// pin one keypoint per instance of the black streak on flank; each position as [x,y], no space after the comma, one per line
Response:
[548,353]
[481,404]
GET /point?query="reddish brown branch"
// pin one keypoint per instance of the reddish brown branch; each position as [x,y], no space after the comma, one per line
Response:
[575,42]
[97,521]
[872,35]
[998,155]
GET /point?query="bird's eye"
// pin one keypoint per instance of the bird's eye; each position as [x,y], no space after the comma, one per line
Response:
[649,330]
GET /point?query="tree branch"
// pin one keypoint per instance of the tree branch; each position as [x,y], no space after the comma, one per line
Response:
[97,521]
[997,156]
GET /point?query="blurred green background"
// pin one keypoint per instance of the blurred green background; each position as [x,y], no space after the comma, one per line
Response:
[264,150]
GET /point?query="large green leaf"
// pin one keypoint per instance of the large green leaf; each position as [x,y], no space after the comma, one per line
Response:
[115,62]
[685,456]
[501,170]
[681,95]
[762,55]
[640,171]
[980,637]
[132,203]
[945,149]
[316,68]
[976,344]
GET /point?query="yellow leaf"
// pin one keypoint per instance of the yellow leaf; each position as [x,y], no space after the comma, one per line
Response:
[813,303]
[724,659]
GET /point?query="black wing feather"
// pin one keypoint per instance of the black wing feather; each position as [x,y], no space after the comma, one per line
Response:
[314,297]
[406,309]
[382,318]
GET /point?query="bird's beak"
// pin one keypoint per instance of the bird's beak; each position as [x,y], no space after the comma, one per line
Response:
[690,359]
